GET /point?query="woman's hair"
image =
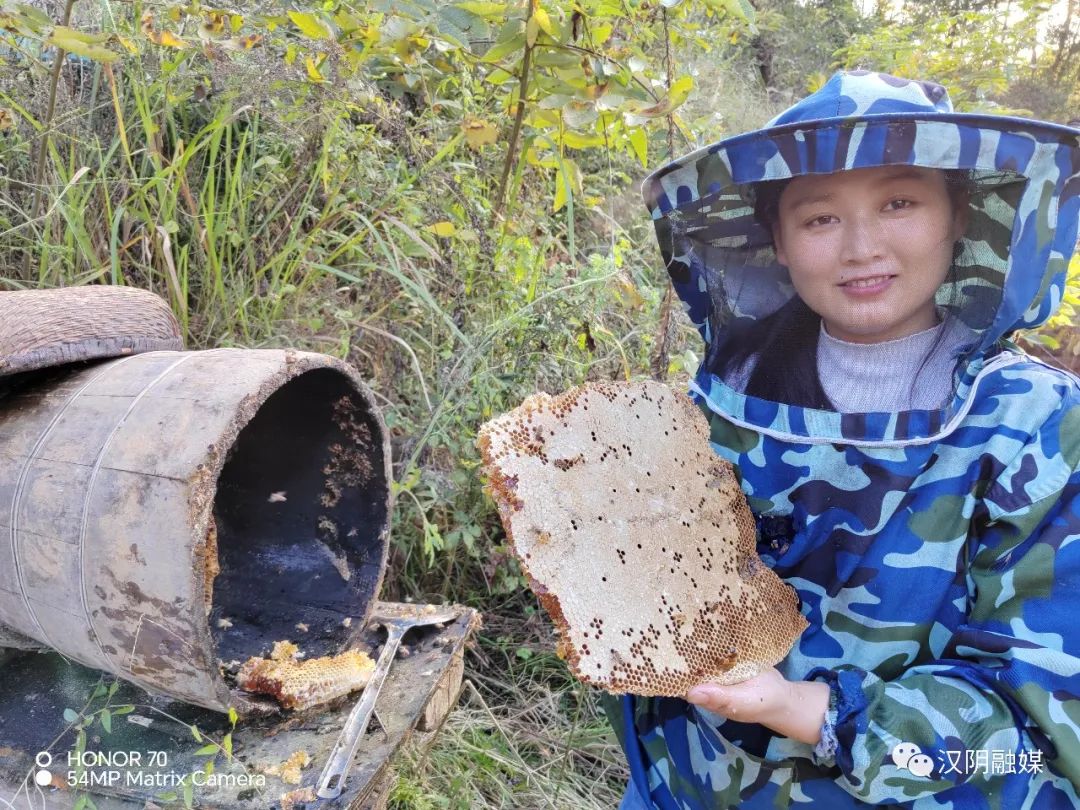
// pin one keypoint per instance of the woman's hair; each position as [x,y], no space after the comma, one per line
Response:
[783,345]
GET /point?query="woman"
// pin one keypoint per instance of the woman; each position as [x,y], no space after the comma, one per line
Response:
[867,251]
[856,268]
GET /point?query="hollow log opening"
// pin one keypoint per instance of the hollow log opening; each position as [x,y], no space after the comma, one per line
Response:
[301,518]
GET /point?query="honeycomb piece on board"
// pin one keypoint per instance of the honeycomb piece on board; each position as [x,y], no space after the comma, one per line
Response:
[303,684]
[289,771]
[637,539]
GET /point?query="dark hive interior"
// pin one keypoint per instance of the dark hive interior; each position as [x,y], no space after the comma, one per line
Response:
[301,514]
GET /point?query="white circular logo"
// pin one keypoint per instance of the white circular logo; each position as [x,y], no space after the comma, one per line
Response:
[43,778]
[43,759]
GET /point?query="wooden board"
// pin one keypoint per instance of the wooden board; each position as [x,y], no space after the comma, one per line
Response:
[35,688]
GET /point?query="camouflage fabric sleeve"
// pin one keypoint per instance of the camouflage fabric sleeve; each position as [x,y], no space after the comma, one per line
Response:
[1009,679]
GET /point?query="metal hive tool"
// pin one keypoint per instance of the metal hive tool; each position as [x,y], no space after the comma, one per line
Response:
[397,620]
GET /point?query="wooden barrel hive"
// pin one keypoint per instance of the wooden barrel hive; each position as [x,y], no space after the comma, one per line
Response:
[167,513]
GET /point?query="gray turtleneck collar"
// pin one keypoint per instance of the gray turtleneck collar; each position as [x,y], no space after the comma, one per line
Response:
[891,376]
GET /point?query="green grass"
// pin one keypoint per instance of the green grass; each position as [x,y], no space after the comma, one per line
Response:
[524,734]
[522,754]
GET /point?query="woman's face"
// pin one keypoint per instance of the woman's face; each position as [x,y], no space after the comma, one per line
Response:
[867,249]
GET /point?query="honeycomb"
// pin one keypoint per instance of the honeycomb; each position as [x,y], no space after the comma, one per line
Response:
[289,770]
[637,539]
[284,651]
[298,799]
[303,684]
[211,567]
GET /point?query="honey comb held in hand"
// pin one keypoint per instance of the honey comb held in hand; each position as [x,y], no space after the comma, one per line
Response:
[637,539]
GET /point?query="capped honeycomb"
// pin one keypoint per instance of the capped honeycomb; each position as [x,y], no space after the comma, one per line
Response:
[637,539]
[303,684]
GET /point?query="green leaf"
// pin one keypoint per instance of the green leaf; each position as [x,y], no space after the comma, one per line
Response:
[232,716]
[442,229]
[502,49]
[566,180]
[89,37]
[499,76]
[544,21]
[227,745]
[70,715]
[195,733]
[639,142]
[457,28]
[33,15]
[311,66]
[678,94]
[481,9]
[118,710]
[510,39]
[554,101]
[578,114]
[106,720]
[113,687]
[610,101]
[575,140]
[207,749]
[567,61]
[601,34]
[680,90]
[309,25]
[80,44]
[80,803]
[740,9]
[189,793]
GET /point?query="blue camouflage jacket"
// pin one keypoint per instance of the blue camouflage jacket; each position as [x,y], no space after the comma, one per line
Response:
[936,553]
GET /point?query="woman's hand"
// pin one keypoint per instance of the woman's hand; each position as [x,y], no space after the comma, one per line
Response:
[795,709]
